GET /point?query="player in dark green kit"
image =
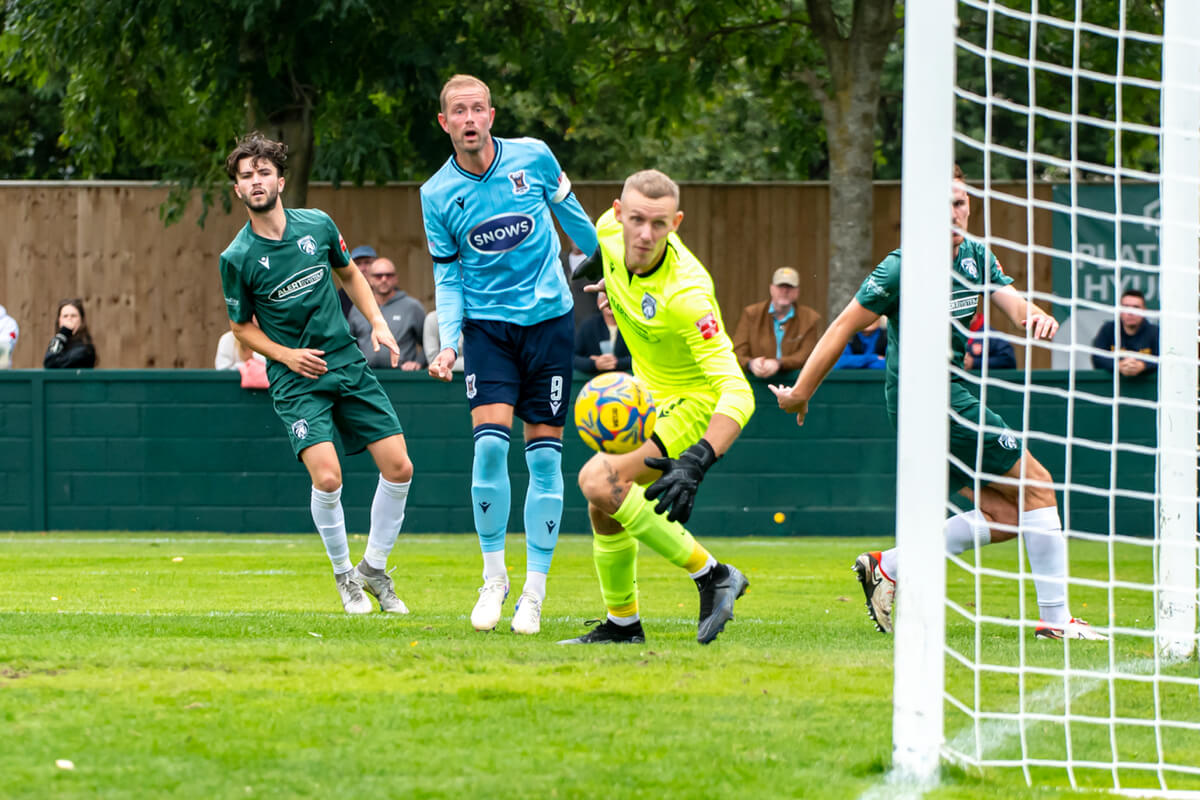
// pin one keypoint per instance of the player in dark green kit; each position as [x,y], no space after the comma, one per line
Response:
[277,276]
[1000,506]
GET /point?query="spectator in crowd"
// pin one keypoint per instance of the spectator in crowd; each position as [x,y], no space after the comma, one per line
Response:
[405,316]
[362,256]
[866,349]
[432,343]
[585,306]
[1137,335]
[777,335]
[1000,353]
[231,352]
[71,347]
[598,344]
[9,331]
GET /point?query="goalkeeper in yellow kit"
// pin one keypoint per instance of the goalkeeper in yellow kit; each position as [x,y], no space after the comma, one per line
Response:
[662,299]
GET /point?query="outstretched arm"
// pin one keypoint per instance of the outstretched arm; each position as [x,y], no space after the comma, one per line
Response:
[1024,313]
[794,399]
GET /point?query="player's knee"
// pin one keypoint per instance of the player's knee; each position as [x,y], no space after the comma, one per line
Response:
[398,471]
[544,460]
[601,485]
[1039,493]
[327,479]
[491,449]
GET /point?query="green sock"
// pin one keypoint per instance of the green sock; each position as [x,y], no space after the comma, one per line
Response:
[616,566]
[669,539]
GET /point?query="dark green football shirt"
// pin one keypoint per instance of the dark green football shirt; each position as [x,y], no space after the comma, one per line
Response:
[288,285]
[880,293]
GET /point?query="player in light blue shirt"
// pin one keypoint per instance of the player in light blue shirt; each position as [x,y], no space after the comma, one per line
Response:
[499,282]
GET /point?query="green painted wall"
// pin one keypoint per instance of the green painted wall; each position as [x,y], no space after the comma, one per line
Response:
[189,450]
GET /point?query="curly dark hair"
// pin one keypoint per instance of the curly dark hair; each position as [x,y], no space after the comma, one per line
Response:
[254,145]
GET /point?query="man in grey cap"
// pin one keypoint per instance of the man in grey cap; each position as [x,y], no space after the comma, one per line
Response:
[777,335]
[362,256]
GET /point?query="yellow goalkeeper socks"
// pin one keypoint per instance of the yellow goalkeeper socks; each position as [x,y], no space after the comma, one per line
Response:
[616,566]
[669,539]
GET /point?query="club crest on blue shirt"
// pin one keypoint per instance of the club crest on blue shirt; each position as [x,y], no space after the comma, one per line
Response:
[520,186]
[649,306]
[307,245]
[969,267]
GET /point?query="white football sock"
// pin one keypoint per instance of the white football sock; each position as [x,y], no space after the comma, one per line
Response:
[387,515]
[493,565]
[966,531]
[889,562]
[535,584]
[961,534]
[331,524]
[623,621]
[1047,548]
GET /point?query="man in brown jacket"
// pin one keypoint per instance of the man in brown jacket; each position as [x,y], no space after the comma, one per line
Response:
[777,335]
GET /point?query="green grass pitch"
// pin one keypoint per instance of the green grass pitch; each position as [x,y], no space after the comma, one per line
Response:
[214,666]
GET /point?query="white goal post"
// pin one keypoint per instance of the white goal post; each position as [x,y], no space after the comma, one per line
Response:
[1081,121]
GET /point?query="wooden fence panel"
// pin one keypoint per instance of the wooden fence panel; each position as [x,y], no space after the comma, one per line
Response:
[153,298]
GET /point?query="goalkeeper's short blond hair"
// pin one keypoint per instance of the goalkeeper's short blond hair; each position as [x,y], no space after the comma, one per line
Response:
[652,184]
[459,81]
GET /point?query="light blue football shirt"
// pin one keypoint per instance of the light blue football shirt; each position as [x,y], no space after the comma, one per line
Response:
[494,247]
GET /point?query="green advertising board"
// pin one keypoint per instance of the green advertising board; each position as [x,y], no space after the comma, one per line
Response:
[1102,259]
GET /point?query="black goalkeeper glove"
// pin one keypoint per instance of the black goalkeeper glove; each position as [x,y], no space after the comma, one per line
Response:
[591,268]
[676,487]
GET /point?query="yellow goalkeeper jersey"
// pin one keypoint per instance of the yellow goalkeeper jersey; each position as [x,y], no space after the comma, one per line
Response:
[670,320]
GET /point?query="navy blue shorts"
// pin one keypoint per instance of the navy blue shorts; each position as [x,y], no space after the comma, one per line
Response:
[528,367]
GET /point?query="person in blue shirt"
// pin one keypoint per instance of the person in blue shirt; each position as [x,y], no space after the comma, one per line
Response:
[866,349]
[997,352]
[499,283]
[1137,336]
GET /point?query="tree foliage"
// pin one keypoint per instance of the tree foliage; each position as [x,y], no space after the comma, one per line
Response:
[1050,90]
[701,89]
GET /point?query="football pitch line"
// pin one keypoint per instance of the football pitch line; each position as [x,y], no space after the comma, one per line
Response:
[993,735]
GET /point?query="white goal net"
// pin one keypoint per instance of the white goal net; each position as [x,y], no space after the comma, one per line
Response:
[1077,125]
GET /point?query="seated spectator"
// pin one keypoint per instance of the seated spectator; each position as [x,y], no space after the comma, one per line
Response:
[405,318]
[433,346]
[9,331]
[1000,353]
[362,256]
[777,335]
[1138,335]
[599,346]
[231,352]
[867,349]
[71,347]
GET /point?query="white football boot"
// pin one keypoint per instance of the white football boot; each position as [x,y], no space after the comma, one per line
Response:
[486,614]
[1074,629]
[350,588]
[527,618]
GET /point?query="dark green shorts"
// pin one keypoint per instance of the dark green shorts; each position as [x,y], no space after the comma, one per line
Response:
[997,449]
[992,452]
[347,398]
